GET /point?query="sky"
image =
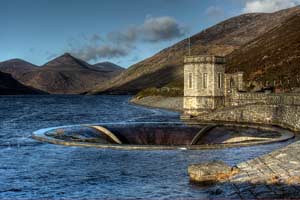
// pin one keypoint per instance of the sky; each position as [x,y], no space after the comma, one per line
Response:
[120,31]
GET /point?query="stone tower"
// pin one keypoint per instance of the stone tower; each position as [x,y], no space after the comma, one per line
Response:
[204,84]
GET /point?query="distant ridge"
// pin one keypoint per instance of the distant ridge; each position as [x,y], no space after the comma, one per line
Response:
[67,61]
[17,67]
[65,74]
[109,67]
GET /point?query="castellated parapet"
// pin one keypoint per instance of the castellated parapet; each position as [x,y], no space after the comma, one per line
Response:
[205,59]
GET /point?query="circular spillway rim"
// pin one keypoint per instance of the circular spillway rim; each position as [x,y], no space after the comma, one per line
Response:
[40,135]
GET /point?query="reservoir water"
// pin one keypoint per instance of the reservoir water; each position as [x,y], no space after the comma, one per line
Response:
[33,170]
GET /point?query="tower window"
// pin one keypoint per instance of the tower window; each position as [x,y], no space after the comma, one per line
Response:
[205,80]
[190,80]
[219,80]
[231,83]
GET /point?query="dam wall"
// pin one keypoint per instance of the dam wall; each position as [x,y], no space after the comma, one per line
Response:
[238,99]
[259,108]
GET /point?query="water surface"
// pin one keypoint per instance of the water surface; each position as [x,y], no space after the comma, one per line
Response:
[34,170]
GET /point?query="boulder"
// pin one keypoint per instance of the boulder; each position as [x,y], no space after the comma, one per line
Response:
[211,173]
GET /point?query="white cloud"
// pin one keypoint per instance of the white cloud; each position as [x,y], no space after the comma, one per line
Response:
[161,29]
[214,11]
[121,43]
[154,29]
[268,5]
[89,53]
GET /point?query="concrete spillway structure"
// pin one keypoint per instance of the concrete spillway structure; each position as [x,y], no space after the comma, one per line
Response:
[108,133]
[161,136]
[201,133]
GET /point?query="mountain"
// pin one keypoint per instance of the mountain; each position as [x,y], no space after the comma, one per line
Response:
[274,57]
[166,66]
[62,75]
[109,67]
[9,86]
[16,67]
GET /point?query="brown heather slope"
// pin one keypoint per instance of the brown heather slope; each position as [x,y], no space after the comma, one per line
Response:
[9,86]
[273,56]
[16,67]
[167,66]
[109,67]
[62,75]
[66,75]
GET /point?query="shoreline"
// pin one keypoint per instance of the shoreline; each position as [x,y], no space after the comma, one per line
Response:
[174,104]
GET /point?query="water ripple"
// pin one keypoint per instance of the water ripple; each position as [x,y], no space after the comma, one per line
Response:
[34,170]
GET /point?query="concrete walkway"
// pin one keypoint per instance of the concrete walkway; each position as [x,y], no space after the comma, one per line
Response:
[273,176]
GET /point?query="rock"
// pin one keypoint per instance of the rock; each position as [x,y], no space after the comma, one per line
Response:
[210,173]
[295,180]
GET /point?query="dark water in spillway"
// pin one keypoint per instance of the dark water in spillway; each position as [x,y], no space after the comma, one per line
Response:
[35,170]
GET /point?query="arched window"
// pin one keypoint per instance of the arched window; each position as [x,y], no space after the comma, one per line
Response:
[205,80]
[231,84]
[220,80]
[190,80]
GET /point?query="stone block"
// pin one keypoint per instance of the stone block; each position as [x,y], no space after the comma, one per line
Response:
[210,173]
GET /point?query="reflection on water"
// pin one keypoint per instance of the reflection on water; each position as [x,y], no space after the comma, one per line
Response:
[30,169]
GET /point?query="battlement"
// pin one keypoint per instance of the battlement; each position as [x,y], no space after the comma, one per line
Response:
[205,59]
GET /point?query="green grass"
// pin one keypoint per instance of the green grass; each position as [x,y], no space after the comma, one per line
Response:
[172,89]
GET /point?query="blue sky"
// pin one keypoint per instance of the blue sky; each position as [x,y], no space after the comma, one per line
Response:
[120,31]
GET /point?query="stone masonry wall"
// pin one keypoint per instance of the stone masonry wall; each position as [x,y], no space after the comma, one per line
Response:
[281,110]
[238,99]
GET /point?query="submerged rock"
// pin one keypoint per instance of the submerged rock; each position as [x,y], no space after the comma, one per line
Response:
[211,173]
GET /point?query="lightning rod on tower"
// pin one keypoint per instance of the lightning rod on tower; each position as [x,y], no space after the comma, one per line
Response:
[189,46]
